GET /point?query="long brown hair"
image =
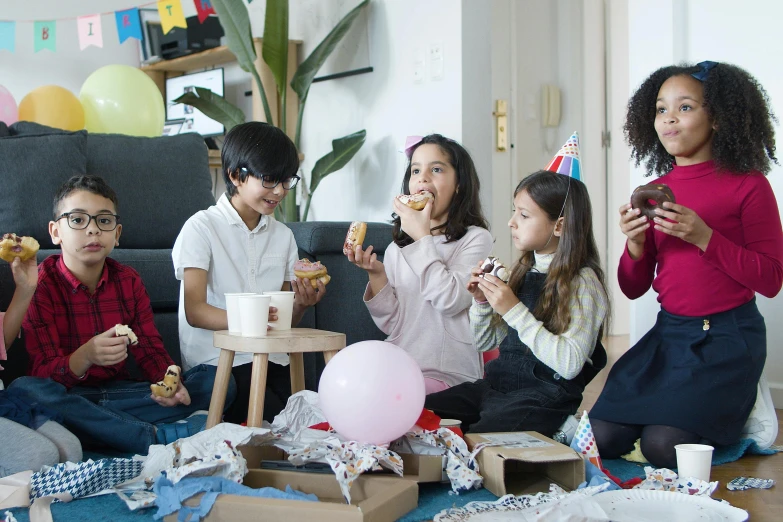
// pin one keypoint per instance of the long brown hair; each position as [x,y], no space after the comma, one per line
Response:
[559,195]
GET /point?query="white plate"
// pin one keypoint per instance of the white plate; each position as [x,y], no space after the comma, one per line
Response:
[639,505]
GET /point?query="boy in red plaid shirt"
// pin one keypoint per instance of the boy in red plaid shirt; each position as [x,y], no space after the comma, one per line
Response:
[77,363]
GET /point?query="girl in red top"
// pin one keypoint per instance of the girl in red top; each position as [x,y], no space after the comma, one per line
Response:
[707,129]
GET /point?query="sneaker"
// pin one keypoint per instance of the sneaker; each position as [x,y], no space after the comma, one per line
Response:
[762,424]
[172,431]
[565,434]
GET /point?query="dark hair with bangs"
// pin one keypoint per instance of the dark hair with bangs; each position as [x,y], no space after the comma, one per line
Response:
[465,209]
[92,184]
[735,102]
[262,150]
[560,195]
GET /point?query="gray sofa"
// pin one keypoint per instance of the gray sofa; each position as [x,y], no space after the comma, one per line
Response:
[160,183]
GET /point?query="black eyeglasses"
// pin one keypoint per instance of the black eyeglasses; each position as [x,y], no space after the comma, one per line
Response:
[81,220]
[270,182]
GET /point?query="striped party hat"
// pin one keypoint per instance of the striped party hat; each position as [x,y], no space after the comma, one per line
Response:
[566,161]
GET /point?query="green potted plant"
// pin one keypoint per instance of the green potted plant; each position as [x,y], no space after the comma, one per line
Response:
[235,20]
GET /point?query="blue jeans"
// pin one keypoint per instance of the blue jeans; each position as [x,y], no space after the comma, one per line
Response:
[121,414]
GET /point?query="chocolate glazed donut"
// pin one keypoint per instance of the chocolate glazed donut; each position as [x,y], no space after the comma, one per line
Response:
[644,195]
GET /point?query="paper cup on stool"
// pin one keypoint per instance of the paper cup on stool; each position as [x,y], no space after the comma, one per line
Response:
[232,311]
[253,314]
[694,460]
[284,302]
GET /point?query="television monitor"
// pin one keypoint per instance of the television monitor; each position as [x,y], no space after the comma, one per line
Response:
[193,119]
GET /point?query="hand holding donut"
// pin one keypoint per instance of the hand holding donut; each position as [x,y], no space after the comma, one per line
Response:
[180,396]
[476,273]
[107,349]
[679,221]
[634,226]
[415,223]
[25,275]
[499,294]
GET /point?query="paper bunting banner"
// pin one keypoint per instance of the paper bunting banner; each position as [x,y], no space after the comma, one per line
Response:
[203,9]
[128,24]
[89,29]
[566,161]
[584,441]
[171,15]
[45,35]
[7,35]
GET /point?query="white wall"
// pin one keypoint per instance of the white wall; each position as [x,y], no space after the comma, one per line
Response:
[662,32]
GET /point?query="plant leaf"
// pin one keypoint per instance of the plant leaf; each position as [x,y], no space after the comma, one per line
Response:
[303,77]
[213,106]
[275,48]
[235,21]
[343,149]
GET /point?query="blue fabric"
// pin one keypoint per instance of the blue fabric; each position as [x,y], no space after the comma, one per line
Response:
[171,496]
[17,406]
[596,477]
[120,414]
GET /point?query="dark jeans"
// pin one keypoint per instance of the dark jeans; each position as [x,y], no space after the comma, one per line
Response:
[278,390]
[120,414]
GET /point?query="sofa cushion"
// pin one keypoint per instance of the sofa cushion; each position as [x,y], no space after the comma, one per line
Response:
[29,128]
[160,183]
[3,130]
[321,237]
[32,168]
[156,269]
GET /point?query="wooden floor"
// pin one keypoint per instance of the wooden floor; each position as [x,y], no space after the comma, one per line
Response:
[763,505]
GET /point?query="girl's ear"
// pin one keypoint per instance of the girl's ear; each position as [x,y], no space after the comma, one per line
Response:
[559,226]
[234,177]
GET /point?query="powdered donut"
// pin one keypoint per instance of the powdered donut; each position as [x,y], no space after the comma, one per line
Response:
[493,266]
[168,386]
[23,247]
[416,201]
[355,236]
[315,272]
[642,197]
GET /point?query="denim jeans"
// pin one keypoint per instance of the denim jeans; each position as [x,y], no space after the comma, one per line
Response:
[121,414]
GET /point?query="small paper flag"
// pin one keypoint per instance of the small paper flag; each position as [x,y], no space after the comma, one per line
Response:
[203,9]
[566,161]
[90,32]
[171,15]
[7,35]
[45,34]
[128,24]
[584,441]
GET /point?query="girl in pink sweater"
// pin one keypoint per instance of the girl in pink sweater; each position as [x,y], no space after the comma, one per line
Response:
[707,130]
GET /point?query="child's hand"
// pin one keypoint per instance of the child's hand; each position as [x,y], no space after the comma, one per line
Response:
[473,283]
[181,396]
[415,223]
[25,274]
[366,259]
[304,293]
[107,349]
[272,316]
[499,294]
[682,222]
[632,224]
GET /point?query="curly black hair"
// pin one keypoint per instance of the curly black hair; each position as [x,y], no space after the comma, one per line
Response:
[736,103]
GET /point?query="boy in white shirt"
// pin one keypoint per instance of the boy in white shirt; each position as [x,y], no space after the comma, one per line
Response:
[237,246]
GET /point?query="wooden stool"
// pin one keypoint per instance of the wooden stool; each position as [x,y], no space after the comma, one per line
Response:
[295,342]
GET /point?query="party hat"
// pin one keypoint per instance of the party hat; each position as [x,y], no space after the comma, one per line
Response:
[584,441]
[566,161]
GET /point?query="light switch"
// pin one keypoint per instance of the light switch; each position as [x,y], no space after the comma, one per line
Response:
[436,60]
[418,65]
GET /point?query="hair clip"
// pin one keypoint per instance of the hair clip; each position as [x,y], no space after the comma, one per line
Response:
[704,70]
[410,144]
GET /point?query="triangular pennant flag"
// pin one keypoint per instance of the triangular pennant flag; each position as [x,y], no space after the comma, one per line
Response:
[566,161]
[203,9]
[90,32]
[7,35]
[584,441]
[128,24]
[45,34]
[171,15]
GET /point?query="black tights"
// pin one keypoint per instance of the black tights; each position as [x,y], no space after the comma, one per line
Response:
[614,440]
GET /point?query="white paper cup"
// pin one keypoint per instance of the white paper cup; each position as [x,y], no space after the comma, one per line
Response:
[284,302]
[694,461]
[253,314]
[232,311]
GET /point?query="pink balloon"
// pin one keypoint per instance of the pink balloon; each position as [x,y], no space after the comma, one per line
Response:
[372,392]
[9,112]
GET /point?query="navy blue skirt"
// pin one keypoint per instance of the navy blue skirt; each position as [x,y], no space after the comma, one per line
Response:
[694,373]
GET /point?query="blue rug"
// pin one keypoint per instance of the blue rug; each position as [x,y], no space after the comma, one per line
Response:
[625,470]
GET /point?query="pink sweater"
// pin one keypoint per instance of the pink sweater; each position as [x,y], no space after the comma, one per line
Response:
[744,255]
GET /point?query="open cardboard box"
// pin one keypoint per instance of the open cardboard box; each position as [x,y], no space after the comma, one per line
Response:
[373,499]
[526,463]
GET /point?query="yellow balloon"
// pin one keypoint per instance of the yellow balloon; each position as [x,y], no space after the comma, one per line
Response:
[53,106]
[121,99]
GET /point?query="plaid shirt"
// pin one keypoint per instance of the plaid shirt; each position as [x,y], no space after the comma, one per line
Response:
[63,316]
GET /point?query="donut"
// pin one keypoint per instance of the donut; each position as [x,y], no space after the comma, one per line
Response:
[123,329]
[23,247]
[493,266]
[642,197]
[355,236]
[168,386]
[416,201]
[315,272]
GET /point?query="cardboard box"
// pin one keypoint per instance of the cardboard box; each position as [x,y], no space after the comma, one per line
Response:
[373,499]
[526,463]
